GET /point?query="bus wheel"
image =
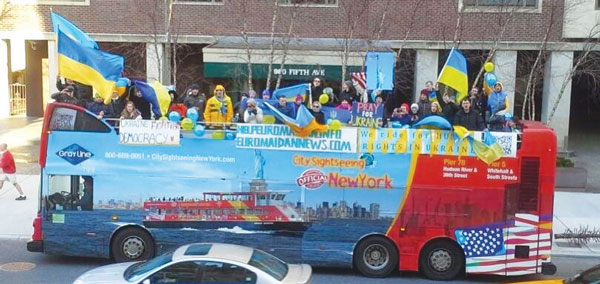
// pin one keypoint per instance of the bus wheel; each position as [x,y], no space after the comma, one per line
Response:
[376,257]
[132,244]
[442,260]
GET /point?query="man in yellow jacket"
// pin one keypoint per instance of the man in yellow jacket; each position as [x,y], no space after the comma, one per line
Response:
[219,109]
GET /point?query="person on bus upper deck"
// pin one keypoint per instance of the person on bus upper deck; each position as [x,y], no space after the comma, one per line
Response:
[424,103]
[401,115]
[130,112]
[498,100]
[98,108]
[219,109]
[348,93]
[141,104]
[317,113]
[299,100]
[193,98]
[283,107]
[252,94]
[345,105]
[435,108]
[240,107]
[67,95]
[478,101]
[253,114]
[414,112]
[82,92]
[316,90]
[266,94]
[449,107]
[468,117]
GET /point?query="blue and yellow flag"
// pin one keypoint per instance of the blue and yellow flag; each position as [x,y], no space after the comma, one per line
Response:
[291,92]
[89,66]
[156,94]
[454,74]
[72,31]
[304,123]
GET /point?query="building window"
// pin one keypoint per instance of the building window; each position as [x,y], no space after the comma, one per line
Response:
[500,3]
[597,4]
[331,3]
[51,2]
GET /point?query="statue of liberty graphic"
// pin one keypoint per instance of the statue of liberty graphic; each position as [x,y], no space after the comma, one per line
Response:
[259,164]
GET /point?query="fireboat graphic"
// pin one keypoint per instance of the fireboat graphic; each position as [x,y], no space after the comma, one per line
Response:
[258,209]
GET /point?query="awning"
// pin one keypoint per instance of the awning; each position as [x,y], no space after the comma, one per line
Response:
[300,64]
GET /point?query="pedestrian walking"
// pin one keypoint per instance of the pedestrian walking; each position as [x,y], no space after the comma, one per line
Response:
[7,164]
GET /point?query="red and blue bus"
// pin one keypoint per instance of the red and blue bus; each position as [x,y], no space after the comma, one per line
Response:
[377,200]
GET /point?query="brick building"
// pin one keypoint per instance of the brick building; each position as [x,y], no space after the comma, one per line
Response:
[213,38]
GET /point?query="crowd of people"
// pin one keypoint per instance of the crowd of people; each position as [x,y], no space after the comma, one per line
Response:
[476,111]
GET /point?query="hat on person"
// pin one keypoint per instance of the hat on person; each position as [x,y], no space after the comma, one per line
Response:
[195,87]
[414,106]
[251,102]
[405,106]
[69,89]
[266,92]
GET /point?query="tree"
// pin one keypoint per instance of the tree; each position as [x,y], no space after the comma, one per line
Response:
[285,44]
[351,13]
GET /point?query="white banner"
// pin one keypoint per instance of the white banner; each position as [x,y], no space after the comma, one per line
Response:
[281,137]
[148,132]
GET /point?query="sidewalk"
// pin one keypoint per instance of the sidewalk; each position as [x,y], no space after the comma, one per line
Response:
[571,210]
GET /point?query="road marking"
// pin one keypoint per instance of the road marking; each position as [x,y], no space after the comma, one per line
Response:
[17,266]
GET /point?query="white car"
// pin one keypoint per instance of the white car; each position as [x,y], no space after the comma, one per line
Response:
[202,263]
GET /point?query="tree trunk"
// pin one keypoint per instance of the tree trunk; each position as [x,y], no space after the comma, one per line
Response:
[272,47]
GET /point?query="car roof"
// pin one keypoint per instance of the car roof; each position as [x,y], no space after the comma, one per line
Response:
[213,250]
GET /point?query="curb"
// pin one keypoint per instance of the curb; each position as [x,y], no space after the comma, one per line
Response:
[14,238]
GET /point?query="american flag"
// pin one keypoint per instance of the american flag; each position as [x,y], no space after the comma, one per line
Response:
[359,80]
[491,249]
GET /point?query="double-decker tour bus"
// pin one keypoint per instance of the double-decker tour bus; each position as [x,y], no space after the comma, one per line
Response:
[378,200]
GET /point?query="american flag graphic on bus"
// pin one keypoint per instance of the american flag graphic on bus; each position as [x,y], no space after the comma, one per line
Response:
[491,249]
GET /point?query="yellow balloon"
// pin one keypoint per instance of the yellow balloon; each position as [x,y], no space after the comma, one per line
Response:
[323,99]
[489,67]
[335,125]
[187,124]
[163,118]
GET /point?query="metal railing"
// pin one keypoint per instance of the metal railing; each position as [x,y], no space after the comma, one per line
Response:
[17,100]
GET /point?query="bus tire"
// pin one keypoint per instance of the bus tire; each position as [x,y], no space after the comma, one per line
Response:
[376,257]
[442,260]
[132,244]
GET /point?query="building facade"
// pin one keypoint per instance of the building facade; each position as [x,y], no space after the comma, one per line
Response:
[316,37]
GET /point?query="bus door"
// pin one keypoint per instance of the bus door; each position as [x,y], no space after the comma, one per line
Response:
[68,202]
[524,240]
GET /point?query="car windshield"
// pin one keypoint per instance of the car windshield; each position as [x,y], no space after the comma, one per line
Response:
[269,264]
[136,270]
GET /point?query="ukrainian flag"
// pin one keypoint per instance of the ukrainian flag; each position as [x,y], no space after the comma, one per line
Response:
[72,31]
[304,124]
[292,91]
[156,94]
[488,150]
[89,66]
[454,74]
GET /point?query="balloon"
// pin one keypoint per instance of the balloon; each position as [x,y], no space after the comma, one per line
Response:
[192,114]
[491,79]
[199,130]
[163,118]
[187,124]
[396,124]
[174,116]
[328,91]
[218,135]
[123,82]
[328,122]
[488,66]
[335,125]
[323,99]
[229,136]
[508,116]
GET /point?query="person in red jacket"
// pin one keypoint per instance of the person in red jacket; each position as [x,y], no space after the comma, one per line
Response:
[7,164]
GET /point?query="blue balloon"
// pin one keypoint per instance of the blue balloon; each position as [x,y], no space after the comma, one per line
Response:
[328,122]
[174,116]
[396,124]
[123,82]
[192,114]
[491,79]
[229,136]
[199,130]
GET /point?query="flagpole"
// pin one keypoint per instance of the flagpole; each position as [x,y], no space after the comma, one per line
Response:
[310,94]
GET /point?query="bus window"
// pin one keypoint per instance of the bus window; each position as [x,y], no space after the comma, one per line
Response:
[66,119]
[70,192]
